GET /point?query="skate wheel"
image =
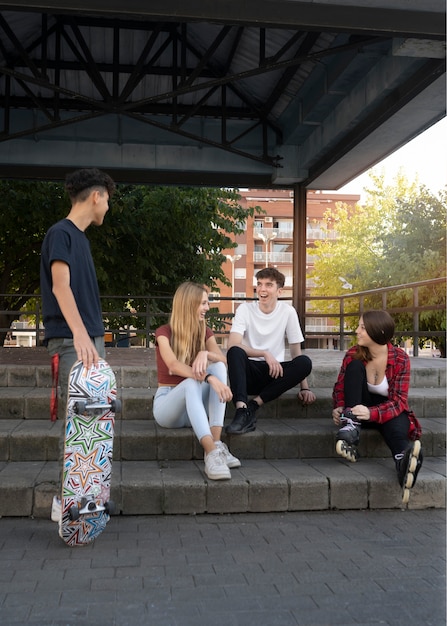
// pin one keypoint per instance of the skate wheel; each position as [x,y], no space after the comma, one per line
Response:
[413,464]
[405,496]
[115,405]
[110,507]
[348,452]
[416,448]
[79,407]
[339,447]
[409,481]
[73,513]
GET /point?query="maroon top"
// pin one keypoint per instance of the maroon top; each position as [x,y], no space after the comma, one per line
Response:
[163,375]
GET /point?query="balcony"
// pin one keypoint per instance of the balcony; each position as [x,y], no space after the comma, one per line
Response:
[287,233]
[273,257]
[320,233]
[273,233]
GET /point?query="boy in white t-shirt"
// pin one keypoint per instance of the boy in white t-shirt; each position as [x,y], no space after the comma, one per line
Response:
[256,350]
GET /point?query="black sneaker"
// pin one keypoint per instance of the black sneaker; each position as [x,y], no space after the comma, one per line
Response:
[408,464]
[252,407]
[244,421]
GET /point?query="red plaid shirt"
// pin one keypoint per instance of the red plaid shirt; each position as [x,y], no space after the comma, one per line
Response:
[398,375]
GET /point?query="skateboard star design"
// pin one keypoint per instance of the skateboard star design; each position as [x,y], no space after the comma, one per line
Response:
[88,432]
[86,468]
[88,451]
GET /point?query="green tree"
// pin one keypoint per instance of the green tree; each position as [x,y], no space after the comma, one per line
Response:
[417,245]
[396,237]
[27,209]
[416,250]
[152,239]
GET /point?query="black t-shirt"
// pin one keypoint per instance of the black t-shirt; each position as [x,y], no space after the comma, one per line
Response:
[65,242]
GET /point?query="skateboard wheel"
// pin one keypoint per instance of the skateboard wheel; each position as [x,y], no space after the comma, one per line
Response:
[80,406]
[115,405]
[74,513]
[110,507]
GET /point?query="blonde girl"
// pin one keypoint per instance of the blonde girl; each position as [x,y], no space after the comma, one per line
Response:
[192,378]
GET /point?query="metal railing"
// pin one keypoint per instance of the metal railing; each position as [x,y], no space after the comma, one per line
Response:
[340,313]
[346,309]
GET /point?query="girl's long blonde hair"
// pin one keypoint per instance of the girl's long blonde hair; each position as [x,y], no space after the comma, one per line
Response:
[187,331]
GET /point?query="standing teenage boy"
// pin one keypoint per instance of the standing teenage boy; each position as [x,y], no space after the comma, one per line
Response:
[71,305]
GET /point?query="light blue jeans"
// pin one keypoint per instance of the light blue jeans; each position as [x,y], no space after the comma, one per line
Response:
[191,404]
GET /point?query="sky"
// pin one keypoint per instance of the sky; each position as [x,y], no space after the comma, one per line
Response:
[424,157]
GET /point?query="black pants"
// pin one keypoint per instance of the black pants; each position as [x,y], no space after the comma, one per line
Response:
[395,431]
[249,377]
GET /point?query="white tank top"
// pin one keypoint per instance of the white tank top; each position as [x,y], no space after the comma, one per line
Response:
[381,389]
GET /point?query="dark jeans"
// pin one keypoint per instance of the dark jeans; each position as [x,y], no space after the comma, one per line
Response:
[64,347]
[395,431]
[249,377]
[67,357]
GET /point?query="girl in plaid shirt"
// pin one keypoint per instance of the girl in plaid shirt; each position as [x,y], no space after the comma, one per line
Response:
[372,392]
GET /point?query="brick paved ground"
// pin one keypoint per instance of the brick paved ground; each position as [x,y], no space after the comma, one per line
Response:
[328,568]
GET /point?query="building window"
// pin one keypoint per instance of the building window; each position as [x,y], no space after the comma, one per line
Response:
[214,296]
[282,253]
[239,295]
[284,229]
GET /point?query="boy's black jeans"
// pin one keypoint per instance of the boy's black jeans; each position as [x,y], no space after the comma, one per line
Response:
[252,378]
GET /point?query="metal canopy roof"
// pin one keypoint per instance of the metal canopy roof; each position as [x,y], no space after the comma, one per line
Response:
[257,93]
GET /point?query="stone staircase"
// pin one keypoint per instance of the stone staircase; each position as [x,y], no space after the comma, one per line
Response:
[288,464]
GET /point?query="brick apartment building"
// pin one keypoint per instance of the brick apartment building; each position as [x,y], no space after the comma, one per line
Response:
[268,241]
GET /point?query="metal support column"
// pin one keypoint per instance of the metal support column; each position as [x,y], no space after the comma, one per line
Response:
[299,252]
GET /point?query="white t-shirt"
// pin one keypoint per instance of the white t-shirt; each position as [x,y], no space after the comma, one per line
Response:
[267,331]
[381,389]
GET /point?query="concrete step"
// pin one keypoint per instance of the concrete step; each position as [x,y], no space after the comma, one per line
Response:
[326,364]
[288,463]
[144,440]
[33,403]
[181,487]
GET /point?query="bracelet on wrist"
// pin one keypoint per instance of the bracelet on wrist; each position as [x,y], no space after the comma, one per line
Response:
[307,389]
[205,380]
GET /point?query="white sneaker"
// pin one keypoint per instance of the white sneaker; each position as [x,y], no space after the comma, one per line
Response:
[215,466]
[230,460]
[56,510]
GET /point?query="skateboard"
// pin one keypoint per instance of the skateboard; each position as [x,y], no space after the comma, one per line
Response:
[88,449]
